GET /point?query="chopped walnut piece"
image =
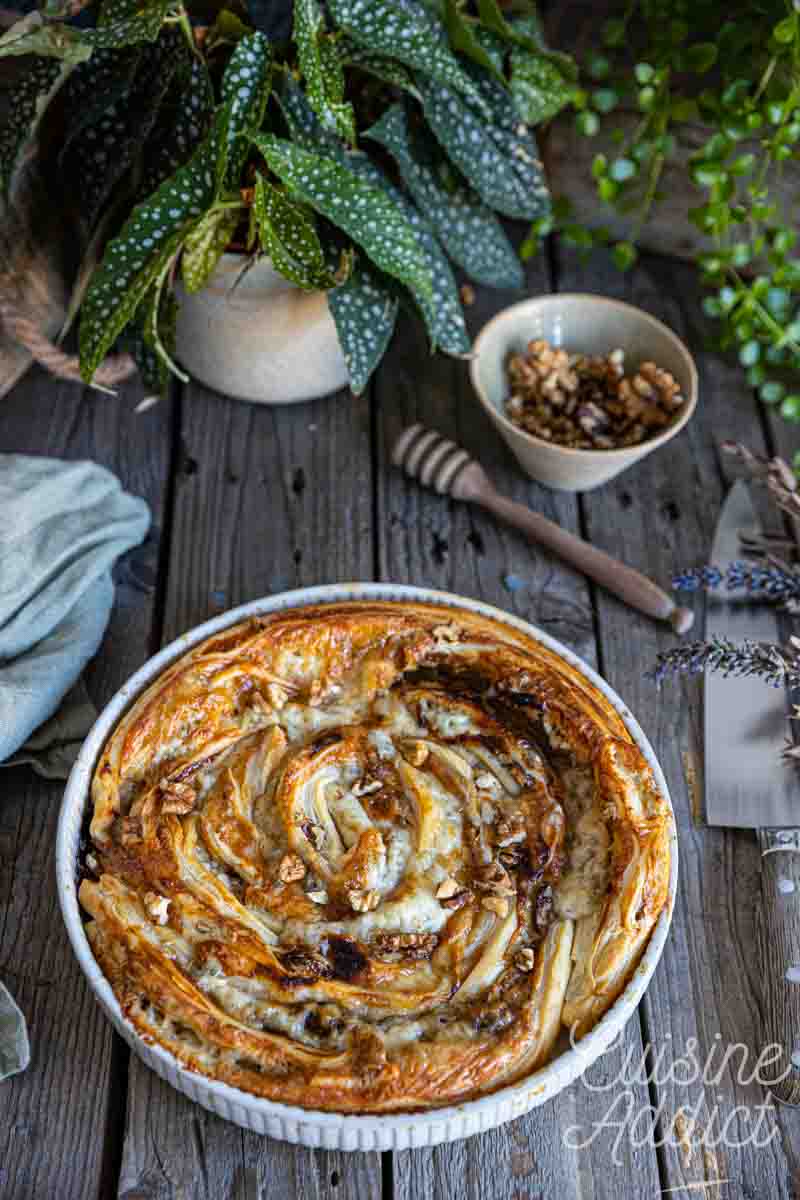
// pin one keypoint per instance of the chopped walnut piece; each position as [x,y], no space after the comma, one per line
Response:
[495,879]
[291,867]
[156,907]
[318,897]
[525,959]
[587,402]
[447,888]
[408,945]
[510,830]
[496,904]
[313,833]
[458,900]
[130,830]
[277,695]
[415,752]
[176,797]
[447,633]
[306,962]
[366,789]
[361,901]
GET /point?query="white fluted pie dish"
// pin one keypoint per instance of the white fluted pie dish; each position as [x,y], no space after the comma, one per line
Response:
[330,1129]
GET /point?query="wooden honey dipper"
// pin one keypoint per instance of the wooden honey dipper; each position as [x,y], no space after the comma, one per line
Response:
[442,465]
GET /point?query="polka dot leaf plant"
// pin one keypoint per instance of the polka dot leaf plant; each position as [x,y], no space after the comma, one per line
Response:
[366,150]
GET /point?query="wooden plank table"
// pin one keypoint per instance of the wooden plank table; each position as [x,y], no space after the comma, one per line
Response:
[249,501]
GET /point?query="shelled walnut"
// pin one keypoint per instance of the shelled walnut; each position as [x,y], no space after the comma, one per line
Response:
[587,402]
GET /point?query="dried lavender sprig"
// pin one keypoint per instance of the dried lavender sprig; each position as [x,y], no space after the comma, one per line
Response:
[777,665]
[773,582]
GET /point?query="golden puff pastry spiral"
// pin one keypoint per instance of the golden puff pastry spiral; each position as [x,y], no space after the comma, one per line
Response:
[371,857]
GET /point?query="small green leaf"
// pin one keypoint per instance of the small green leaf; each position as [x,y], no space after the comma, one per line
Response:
[587,123]
[149,239]
[468,229]
[772,392]
[365,314]
[410,33]
[622,169]
[624,255]
[701,57]
[785,31]
[245,88]
[366,214]
[205,244]
[750,353]
[790,408]
[322,70]
[499,158]
[289,237]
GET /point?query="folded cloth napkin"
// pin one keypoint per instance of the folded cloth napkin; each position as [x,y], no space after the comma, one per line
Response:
[63,526]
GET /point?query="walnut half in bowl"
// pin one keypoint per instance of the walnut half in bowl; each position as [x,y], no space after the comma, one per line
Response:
[580,387]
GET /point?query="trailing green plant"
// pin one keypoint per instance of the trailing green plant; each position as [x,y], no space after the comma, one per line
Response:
[733,69]
[379,142]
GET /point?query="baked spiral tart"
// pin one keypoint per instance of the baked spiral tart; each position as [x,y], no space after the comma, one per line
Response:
[371,857]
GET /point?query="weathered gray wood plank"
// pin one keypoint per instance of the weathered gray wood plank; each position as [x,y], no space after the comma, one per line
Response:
[57,1134]
[266,499]
[425,539]
[661,515]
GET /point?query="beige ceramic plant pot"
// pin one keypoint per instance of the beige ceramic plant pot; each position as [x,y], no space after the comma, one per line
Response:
[263,340]
[586,324]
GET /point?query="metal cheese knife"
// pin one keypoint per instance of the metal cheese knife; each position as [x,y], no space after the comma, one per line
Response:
[748,784]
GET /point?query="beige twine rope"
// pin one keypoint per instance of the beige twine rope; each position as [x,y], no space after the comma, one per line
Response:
[112,371]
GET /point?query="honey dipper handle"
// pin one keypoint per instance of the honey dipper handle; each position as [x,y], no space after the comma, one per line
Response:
[634,588]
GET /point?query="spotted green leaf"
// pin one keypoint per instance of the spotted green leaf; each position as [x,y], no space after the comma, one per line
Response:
[289,236]
[205,244]
[409,33]
[31,36]
[32,94]
[321,68]
[94,87]
[537,85]
[356,206]
[107,149]
[444,317]
[184,120]
[466,227]
[129,24]
[464,34]
[246,87]
[389,70]
[365,314]
[153,371]
[499,158]
[151,236]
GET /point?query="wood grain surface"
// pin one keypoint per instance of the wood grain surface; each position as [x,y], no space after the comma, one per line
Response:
[249,501]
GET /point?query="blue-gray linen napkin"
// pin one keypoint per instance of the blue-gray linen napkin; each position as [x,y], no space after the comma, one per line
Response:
[62,526]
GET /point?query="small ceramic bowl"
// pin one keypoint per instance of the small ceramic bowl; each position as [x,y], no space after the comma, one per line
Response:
[583,324]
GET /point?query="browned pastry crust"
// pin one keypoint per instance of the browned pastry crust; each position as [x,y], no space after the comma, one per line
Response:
[371,857]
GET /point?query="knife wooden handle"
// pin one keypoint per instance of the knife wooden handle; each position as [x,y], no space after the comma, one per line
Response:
[779,945]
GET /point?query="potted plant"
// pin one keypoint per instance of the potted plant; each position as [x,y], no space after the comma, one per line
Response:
[256,208]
